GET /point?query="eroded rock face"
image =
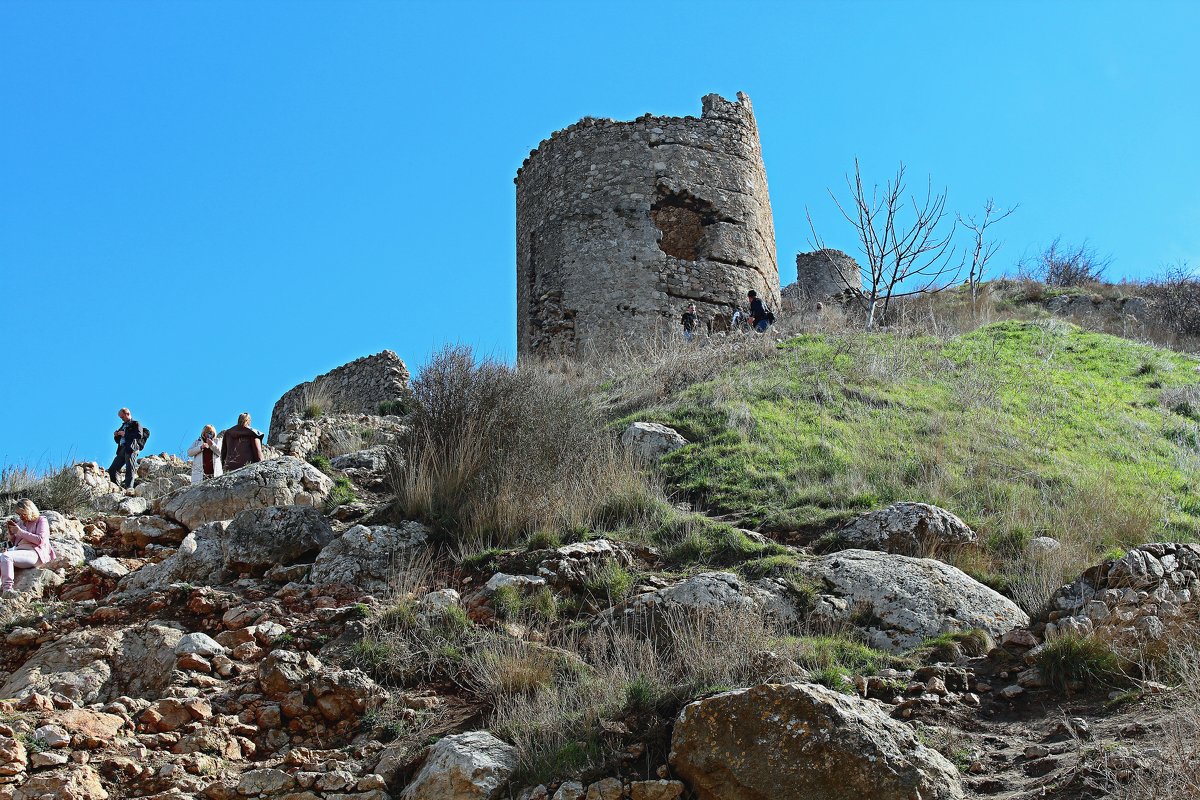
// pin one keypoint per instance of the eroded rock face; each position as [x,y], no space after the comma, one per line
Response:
[149,529]
[281,481]
[363,556]
[804,741]
[260,538]
[573,565]
[66,534]
[96,665]
[650,441]
[1134,601]
[467,766]
[900,601]
[908,529]
[200,559]
[708,592]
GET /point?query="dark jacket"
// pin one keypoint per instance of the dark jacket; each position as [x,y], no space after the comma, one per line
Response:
[758,312]
[240,446]
[133,438]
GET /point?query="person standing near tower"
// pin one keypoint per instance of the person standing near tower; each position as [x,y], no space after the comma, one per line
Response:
[129,438]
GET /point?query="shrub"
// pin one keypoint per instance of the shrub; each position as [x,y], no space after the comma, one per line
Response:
[1065,265]
[58,489]
[393,408]
[610,583]
[498,453]
[1071,659]
[341,493]
[315,400]
[954,645]
[321,462]
[1175,298]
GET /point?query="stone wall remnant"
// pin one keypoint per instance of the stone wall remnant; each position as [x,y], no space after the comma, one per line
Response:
[359,387]
[826,273]
[620,225]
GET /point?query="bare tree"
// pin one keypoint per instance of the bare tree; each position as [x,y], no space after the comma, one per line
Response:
[982,249]
[905,256]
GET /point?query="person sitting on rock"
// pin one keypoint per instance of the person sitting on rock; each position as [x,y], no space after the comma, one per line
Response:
[29,545]
[241,444]
[206,455]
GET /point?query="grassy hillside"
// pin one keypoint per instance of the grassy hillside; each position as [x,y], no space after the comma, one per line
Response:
[1023,429]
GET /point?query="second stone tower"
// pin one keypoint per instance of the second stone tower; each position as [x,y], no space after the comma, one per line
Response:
[621,224]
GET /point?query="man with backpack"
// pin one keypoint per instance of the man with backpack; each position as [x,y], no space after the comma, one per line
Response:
[760,316]
[130,439]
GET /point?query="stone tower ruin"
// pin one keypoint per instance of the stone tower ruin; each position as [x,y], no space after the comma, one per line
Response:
[621,224]
[827,273]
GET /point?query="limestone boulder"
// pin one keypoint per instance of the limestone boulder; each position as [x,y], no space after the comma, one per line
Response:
[363,556]
[76,782]
[283,481]
[93,478]
[804,741]
[898,601]
[650,441]
[572,566]
[260,538]
[34,582]
[708,592]
[150,529]
[66,534]
[95,665]
[907,529]
[369,460]
[466,766]
[199,560]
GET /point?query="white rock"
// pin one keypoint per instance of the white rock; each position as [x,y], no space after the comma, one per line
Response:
[651,441]
[467,766]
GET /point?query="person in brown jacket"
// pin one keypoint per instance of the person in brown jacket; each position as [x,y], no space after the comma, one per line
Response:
[241,444]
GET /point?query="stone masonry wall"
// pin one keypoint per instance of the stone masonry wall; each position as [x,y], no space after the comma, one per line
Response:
[823,274]
[621,224]
[355,388]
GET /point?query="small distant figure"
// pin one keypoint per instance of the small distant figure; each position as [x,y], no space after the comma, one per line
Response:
[241,444]
[206,455]
[29,545]
[737,322]
[689,322]
[760,316]
[130,439]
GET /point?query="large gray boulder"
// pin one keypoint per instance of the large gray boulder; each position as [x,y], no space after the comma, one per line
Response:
[200,560]
[66,535]
[150,529]
[260,538]
[364,556]
[899,602]
[466,766]
[650,441]
[95,665]
[283,481]
[803,741]
[707,593]
[907,529]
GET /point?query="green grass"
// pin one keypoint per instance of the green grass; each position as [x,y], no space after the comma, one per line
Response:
[1023,429]
[1079,659]
[341,493]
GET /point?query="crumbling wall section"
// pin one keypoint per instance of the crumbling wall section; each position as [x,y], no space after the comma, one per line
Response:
[359,387]
[826,273]
[621,224]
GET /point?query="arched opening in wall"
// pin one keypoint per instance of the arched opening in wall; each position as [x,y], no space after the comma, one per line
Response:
[681,219]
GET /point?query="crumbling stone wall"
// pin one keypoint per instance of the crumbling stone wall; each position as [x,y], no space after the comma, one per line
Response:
[355,388]
[621,224]
[826,273]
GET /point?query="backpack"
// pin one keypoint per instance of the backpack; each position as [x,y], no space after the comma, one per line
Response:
[770,319]
[145,438]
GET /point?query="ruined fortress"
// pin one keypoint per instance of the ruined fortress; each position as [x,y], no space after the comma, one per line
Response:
[621,224]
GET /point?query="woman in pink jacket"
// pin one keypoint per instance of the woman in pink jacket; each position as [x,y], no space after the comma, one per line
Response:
[29,544]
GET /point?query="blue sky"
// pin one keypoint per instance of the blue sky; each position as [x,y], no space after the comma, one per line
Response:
[203,204]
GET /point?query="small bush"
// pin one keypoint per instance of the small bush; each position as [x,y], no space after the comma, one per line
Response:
[393,408]
[315,400]
[954,645]
[507,601]
[1065,265]
[611,583]
[498,453]
[58,489]
[500,666]
[321,462]
[341,493]
[1070,659]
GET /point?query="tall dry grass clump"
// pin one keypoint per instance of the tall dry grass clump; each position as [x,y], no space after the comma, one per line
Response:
[497,453]
[58,489]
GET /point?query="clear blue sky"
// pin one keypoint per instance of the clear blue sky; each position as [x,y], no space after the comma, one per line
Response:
[203,204]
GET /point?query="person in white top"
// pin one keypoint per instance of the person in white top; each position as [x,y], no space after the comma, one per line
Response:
[206,455]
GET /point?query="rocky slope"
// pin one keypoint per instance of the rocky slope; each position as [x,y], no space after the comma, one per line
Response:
[266,634]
